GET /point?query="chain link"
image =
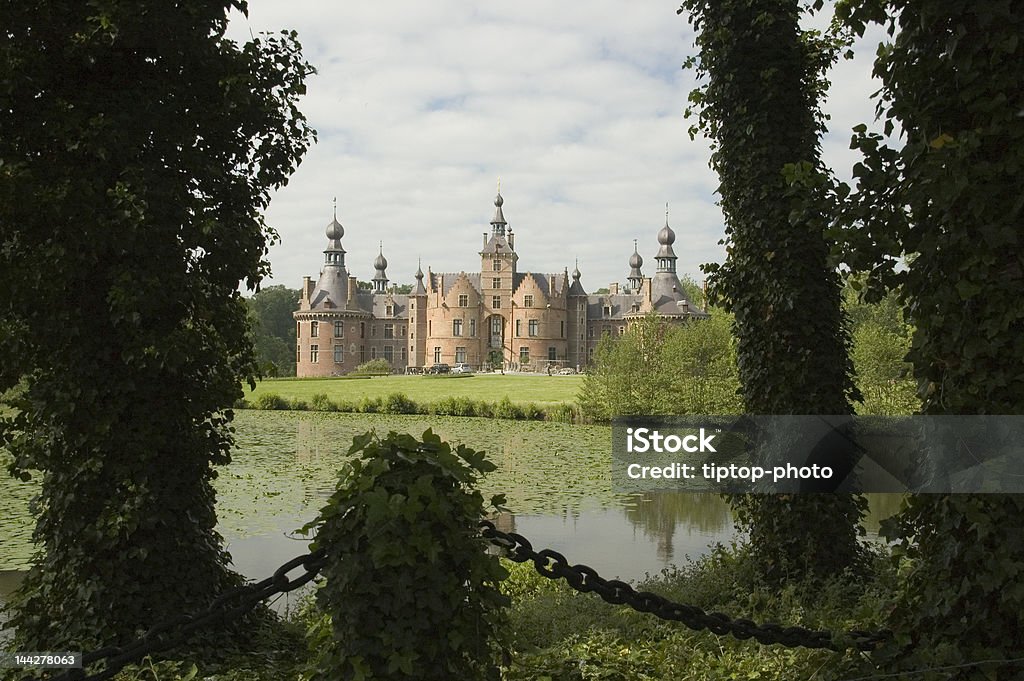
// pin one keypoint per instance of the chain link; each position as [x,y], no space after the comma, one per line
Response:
[235,603]
[554,565]
[229,606]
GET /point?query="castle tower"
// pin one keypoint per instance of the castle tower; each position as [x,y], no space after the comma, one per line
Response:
[418,322]
[636,277]
[380,277]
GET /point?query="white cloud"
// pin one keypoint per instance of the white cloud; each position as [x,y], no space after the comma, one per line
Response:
[420,107]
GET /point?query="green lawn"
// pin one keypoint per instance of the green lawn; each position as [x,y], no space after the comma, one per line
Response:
[541,390]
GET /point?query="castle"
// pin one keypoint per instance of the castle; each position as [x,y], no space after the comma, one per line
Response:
[497,317]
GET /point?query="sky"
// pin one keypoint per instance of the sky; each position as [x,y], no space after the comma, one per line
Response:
[420,109]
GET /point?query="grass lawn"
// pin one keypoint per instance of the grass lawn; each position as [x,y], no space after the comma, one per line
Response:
[520,389]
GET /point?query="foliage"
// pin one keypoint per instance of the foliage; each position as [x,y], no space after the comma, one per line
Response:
[410,587]
[947,201]
[273,329]
[660,369]
[375,367]
[759,106]
[562,634]
[138,148]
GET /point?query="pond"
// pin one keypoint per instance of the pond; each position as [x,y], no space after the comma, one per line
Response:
[556,477]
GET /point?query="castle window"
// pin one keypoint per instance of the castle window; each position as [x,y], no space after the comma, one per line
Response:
[339,329]
[362,329]
[528,301]
[495,326]
[496,265]
[314,329]
[534,327]
[389,330]
[519,327]
[437,355]
[339,354]
[403,330]
[373,352]
[561,332]
[389,311]
[298,329]
[590,332]
[298,354]
[552,353]
[496,302]
[362,353]
[389,353]
[430,327]
[463,300]
[460,355]
[607,310]
[524,355]
[456,327]
[472,328]
[404,356]
[373,330]
[622,330]
[314,353]
[496,282]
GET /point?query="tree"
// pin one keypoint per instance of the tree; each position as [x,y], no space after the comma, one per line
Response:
[138,147]
[273,329]
[948,200]
[759,107]
[658,369]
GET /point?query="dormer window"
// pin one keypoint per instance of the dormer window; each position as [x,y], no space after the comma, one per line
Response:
[528,300]
[607,310]
[389,311]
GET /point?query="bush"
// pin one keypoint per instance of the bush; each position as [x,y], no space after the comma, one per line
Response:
[562,413]
[369,405]
[412,592]
[375,367]
[270,401]
[504,409]
[398,403]
[320,402]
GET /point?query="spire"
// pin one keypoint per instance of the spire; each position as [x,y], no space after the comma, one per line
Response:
[666,257]
[576,288]
[419,289]
[380,278]
[636,277]
[498,222]
[334,254]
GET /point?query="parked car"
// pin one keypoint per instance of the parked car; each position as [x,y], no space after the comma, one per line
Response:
[440,369]
[567,371]
[462,368]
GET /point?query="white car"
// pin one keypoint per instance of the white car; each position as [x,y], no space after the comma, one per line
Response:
[462,369]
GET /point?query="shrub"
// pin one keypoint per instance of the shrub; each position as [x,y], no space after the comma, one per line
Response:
[270,401]
[398,403]
[504,409]
[369,405]
[320,402]
[562,413]
[411,591]
[375,367]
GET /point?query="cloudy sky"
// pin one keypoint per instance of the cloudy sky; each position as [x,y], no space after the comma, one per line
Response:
[578,108]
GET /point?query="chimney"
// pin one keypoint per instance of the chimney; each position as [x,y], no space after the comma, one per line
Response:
[613,288]
[485,240]
[307,288]
[353,288]
[511,239]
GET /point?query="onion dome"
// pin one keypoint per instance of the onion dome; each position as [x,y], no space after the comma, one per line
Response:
[635,261]
[380,262]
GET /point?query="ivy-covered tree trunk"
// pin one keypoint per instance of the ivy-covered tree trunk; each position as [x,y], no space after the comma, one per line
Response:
[950,197]
[137,151]
[759,107]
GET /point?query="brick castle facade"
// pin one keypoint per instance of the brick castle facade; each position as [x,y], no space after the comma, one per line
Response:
[497,317]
